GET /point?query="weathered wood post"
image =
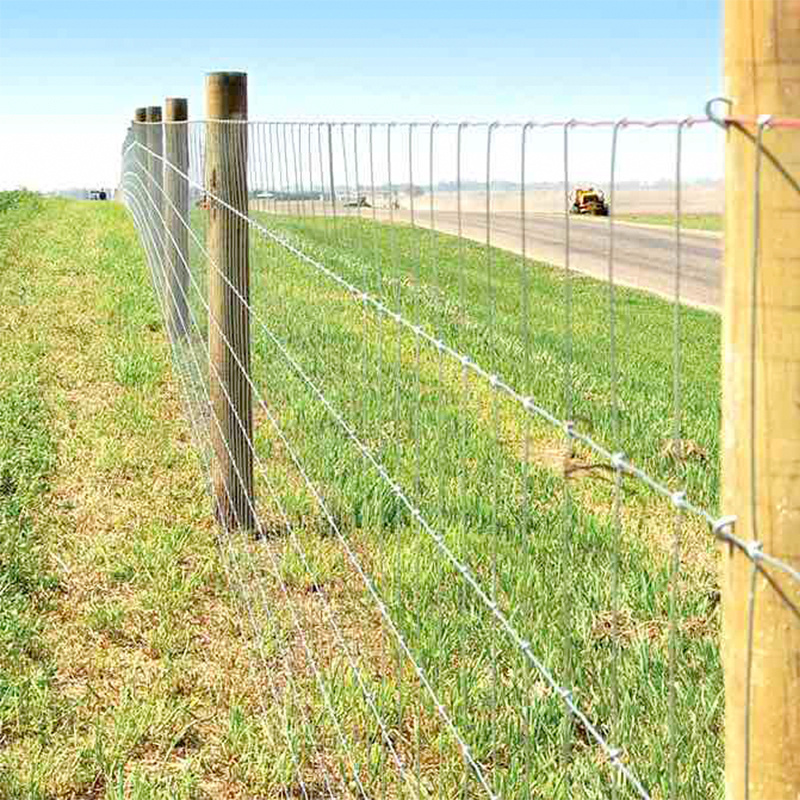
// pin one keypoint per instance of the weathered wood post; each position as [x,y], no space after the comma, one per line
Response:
[229,298]
[176,213]
[154,184]
[761,451]
[140,136]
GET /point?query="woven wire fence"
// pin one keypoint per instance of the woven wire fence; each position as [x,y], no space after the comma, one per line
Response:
[486,443]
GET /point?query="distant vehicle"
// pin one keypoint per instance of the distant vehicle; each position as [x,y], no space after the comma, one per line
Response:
[98,194]
[358,202]
[589,201]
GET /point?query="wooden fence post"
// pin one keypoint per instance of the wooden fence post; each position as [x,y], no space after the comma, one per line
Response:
[762,64]
[155,143]
[154,184]
[140,135]
[229,298]
[176,213]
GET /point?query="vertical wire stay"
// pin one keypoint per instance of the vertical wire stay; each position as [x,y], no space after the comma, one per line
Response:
[527,491]
[754,477]
[615,434]
[461,478]
[495,489]
[566,515]
[675,561]
[417,412]
[405,549]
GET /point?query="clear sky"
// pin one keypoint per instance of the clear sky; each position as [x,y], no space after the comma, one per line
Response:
[72,71]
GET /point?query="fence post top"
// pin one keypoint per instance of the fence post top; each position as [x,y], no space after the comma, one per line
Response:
[222,75]
[140,114]
[226,95]
[154,113]
[176,109]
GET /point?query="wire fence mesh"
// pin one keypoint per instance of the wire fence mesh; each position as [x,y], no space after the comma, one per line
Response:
[485,445]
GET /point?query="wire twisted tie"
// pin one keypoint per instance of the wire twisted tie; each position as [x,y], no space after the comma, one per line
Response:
[466,360]
[493,381]
[569,428]
[529,404]
[719,525]
[764,120]
[619,461]
[679,500]
[754,550]
[721,121]
[614,753]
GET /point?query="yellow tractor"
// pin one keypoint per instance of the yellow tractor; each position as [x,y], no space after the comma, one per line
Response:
[589,201]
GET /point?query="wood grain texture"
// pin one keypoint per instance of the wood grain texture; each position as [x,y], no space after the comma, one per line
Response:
[176,214]
[229,298]
[762,67]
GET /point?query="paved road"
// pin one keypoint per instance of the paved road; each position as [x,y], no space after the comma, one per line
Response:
[644,257]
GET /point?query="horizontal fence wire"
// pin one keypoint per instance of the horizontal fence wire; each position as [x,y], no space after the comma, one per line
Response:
[485,443]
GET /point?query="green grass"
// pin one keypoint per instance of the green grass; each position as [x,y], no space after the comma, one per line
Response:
[551,558]
[26,460]
[700,222]
[122,652]
[166,666]
[22,199]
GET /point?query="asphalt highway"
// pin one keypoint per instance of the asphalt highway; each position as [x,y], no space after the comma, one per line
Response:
[645,257]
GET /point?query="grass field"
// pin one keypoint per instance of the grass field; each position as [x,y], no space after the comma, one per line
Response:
[700,222]
[159,664]
[491,480]
[124,671]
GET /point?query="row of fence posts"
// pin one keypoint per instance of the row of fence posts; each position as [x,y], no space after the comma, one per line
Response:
[761,362]
[163,167]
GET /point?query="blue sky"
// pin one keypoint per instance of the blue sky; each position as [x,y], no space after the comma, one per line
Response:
[71,72]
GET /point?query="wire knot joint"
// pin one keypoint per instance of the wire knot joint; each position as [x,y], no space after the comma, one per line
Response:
[679,500]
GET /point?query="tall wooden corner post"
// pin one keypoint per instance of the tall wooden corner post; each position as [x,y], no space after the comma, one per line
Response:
[229,298]
[762,65]
[176,214]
